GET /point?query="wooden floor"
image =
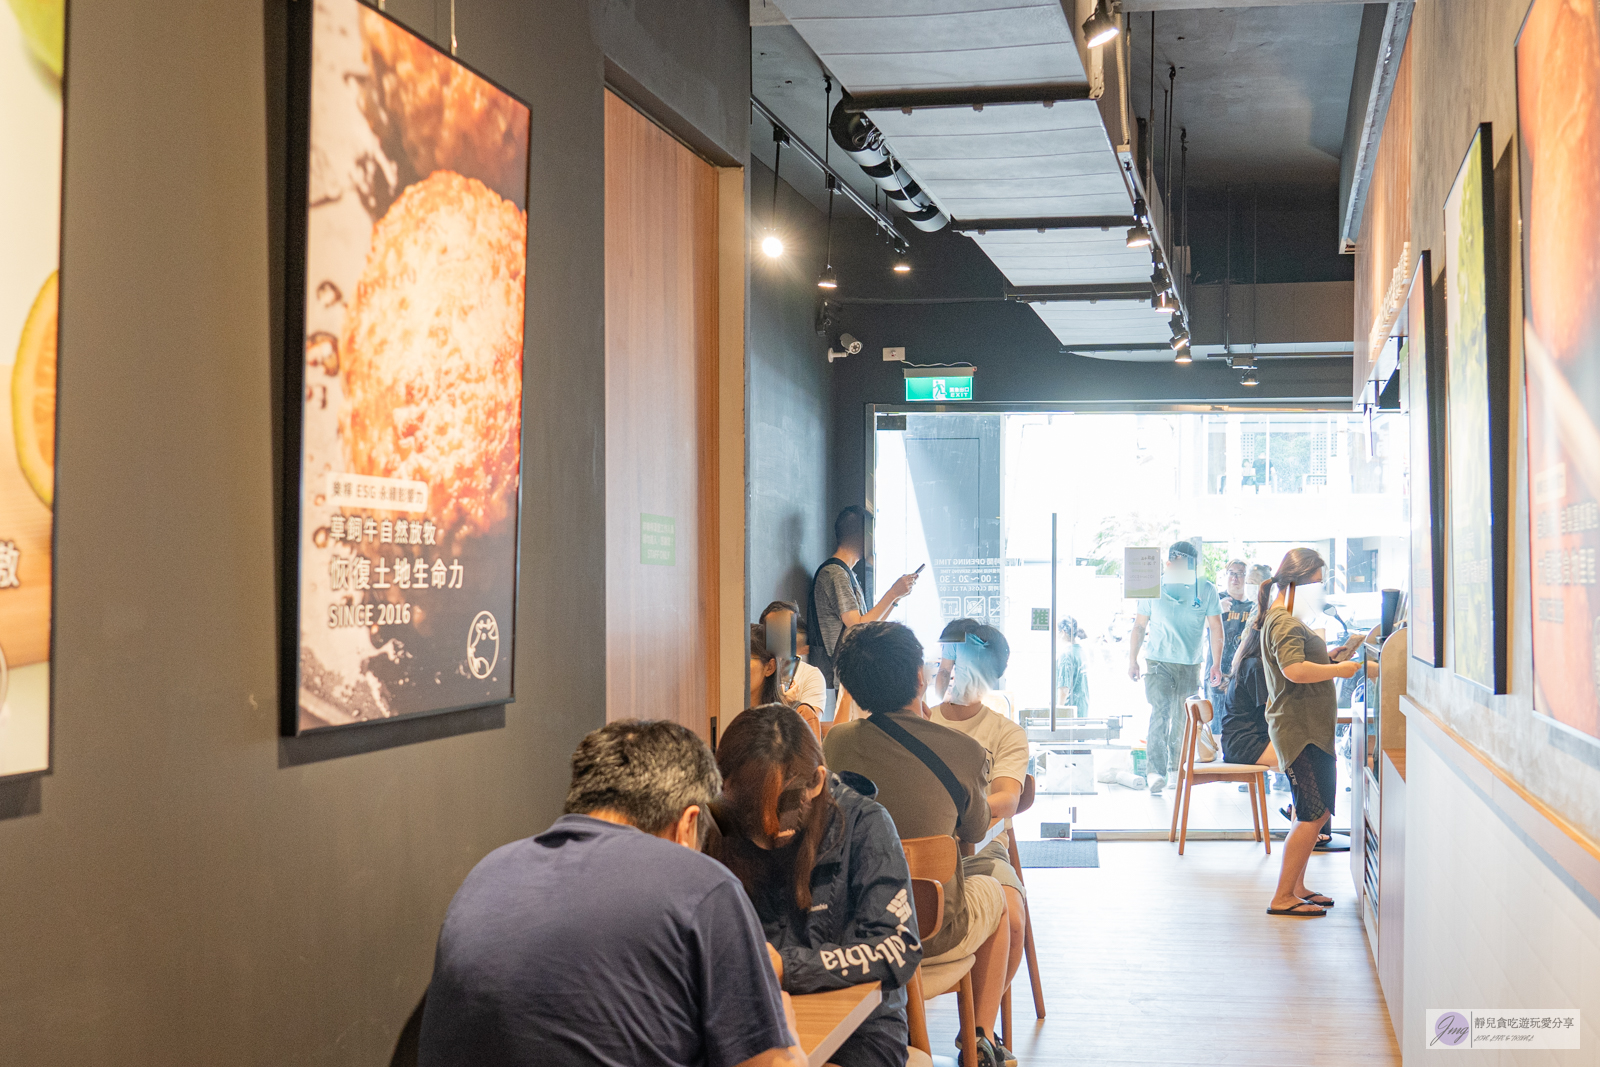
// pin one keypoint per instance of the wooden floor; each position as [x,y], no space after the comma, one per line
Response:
[1156,959]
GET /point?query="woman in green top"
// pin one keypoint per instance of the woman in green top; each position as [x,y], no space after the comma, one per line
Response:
[1302,709]
[1072,680]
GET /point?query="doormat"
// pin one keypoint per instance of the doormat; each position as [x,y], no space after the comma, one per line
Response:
[1079,852]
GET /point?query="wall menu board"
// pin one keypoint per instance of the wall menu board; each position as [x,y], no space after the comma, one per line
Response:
[32,59]
[405,301]
[1558,112]
[1478,397]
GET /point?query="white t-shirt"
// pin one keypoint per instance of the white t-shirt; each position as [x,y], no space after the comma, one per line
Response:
[1004,741]
[808,688]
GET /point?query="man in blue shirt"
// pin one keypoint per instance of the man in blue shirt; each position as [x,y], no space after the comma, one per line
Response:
[609,940]
[1186,611]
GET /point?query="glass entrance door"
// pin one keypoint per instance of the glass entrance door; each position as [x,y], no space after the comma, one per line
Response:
[972,496]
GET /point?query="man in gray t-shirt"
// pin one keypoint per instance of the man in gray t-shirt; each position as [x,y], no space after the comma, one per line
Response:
[837,602]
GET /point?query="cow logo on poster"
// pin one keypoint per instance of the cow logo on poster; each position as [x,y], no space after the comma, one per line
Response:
[406,337]
[483,645]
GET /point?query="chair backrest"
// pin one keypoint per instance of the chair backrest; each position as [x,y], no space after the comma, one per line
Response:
[928,895]
[1029,786]
[1200,708]
[932,857]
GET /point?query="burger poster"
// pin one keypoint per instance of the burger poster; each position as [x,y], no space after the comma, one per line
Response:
[405,362]
[32,54]
[1558,111]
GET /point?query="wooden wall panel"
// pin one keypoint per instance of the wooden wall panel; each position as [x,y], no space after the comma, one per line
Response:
[662,437]
[1381,243]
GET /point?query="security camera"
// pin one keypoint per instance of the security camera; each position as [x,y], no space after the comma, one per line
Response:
[848,346]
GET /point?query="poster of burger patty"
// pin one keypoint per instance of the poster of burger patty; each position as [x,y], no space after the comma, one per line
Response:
[405,336]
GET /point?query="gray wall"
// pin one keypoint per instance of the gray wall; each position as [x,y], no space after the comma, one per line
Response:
[787,418]
[185,888]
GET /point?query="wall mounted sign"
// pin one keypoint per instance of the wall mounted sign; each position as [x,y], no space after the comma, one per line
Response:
[1141,573]
[1478,381]
[1422,399]
[407,255]
[939,384]
[32,58]
[658,540]
[1558,113]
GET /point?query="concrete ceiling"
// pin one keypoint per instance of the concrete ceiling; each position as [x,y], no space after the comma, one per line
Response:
[1263,90]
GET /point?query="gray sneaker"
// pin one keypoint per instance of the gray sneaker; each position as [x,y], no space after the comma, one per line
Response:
[1157,783]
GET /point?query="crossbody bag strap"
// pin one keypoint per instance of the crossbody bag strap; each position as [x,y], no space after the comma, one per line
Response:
[930,759]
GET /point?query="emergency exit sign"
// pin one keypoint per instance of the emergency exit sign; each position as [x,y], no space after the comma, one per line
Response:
[936,386]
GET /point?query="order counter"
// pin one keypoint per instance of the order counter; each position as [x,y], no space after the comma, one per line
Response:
[1378,810]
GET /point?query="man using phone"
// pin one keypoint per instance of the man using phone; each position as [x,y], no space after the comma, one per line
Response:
[837,602]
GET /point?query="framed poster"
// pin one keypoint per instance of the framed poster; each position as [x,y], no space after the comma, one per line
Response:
[407,258]
[1421,399]
[1558,113]
[1478,394]
[32,59]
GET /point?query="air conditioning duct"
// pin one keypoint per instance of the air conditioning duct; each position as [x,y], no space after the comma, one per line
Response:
[863,142]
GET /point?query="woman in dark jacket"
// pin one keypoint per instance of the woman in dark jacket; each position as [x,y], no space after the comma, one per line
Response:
[824,868]
[1244,721]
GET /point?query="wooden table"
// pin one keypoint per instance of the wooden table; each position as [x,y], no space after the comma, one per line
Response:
[826,1019]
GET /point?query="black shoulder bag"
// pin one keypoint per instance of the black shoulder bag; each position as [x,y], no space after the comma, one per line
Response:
[930,759]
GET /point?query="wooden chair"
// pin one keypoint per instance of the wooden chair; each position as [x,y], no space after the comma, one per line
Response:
[933,860]
[1029,787]
[1191,774]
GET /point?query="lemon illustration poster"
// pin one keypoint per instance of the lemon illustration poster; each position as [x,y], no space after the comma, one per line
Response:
[406,335]
[32,37]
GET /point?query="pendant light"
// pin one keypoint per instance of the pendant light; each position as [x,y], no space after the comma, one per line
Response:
[828,279]
[772,244]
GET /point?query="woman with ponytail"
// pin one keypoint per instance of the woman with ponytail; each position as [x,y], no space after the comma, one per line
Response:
[1302,709]
[823,866]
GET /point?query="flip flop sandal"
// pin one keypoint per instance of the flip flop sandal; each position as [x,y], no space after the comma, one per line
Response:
[1295,911]
[1319,900]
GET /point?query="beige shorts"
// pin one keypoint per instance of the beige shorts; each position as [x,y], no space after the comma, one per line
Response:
[986,907]
[995,861]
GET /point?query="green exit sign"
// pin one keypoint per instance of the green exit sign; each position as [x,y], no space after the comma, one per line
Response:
[936,386]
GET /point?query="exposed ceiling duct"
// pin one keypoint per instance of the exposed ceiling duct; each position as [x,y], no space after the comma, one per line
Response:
[863,142]
[992,115]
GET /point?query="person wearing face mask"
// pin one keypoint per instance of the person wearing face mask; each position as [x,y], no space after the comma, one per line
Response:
[823,866]
[1186,612]
[1302,709]
[980,661]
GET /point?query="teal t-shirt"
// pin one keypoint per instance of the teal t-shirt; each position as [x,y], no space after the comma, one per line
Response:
[1178,627]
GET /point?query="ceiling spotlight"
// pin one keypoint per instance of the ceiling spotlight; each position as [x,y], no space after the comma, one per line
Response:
[1163,304]
[1158,279]
[772,245]
[1100,26]
[828,279]
[1182,355]
[1180,334]
[1138,236]
[902,264]
[1250,378]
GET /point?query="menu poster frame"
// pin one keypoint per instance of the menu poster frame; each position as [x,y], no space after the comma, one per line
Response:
[1422,393]
[33,82]
[1478,397]
[406,237]
[1558,148]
